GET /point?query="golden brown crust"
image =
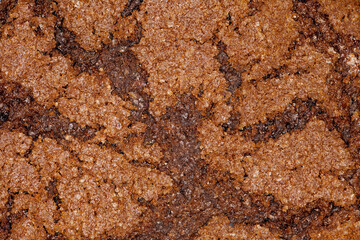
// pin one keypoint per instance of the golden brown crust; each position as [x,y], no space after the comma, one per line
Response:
[179,120]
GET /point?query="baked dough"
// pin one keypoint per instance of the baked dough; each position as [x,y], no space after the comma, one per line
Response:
[194,119]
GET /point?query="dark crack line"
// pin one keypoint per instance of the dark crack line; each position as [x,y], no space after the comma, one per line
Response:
[128,78]
[232,76]
[177,214]
[171,216]
[200,192]
[295,116]
[9,218]
[5,7]
[19,111]
[316,26]
[131,6]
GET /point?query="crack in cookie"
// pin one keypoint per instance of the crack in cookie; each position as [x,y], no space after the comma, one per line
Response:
[5,8]
[19,111]
[131,6]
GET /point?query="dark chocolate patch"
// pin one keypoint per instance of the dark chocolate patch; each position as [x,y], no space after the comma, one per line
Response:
[42,8]
[56,236]
[183,212]
[250,209]
[295,116]
[125,72]
[127,76]
[9,218]
[38,31]
[353,178]
[67,45]
[254,7]
[178,136]
[6,221]
[131,6]
[316,27]
[53,193]
[5,8]
[20,111]
[233,122]
[275,73]
[346,96]
[232,76]
[314,24]
[201,192]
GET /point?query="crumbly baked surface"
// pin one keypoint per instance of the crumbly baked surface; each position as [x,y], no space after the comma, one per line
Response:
[159,119]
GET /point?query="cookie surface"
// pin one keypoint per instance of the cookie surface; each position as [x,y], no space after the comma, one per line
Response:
[149,119]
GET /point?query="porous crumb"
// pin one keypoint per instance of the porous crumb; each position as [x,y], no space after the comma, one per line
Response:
[194,119]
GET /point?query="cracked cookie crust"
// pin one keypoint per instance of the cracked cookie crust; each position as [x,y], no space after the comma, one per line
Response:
[149,119]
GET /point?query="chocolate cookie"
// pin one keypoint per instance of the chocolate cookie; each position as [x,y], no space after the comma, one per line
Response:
[187,119]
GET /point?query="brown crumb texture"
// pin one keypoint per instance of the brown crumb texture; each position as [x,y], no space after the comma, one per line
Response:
[347,230]
[96,22]
[219,227]
[5,8]
[259,35]
[194,119]
[303,75]
[19,111]
[302,167]
[107,190]
[343,15]
[185,30]
[24,45]
[224,151]
[105,109]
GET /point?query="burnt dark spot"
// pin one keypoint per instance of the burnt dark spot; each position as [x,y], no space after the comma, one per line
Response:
[132,5]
